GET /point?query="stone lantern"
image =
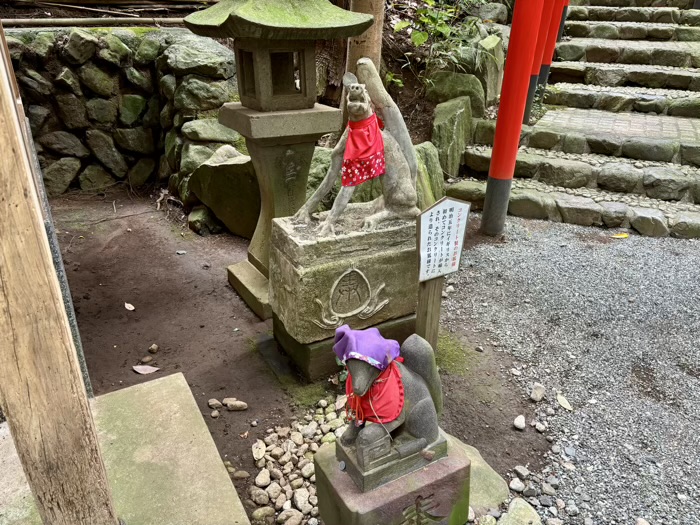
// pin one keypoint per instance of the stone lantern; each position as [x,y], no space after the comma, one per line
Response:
[275,43]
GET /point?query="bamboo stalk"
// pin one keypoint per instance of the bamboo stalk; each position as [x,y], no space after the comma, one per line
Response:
[83,8]
[91,22]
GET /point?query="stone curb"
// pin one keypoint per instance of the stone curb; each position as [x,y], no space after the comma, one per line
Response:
[662,15]
[682,4]
[677,54]
[637,148]
[632,31]
[625,74]
[583,211]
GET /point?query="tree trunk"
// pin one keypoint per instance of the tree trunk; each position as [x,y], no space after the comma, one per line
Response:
[368,44]
[41,387]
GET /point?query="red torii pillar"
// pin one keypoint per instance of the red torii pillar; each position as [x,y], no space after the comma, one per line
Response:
[542,34]
[527,20]
[556,30]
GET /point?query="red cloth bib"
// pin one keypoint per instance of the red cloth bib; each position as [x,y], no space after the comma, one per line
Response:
[383,402]
[364,152]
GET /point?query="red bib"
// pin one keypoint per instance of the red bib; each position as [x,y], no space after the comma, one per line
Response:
[364,152]
[383,402]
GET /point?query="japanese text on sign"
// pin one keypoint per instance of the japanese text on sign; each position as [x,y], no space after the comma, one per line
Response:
[442,229]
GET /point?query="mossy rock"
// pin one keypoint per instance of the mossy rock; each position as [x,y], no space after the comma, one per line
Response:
[98,80]
[445,85]
[115,51]
[148,51]
[141,172]
[200,93]
[131,107]
[140,78]
[136,140]
[69,80]
[451,132]
[59,175]
[80,46]
[102,110]
[102,146]
[72,111]
[95,178]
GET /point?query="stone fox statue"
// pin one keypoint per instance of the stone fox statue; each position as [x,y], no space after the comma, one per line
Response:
[365,152]
[398,390]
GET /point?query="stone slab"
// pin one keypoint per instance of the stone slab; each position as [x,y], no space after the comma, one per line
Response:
[438,493]
[161,461]
[252,286]
[358,277]
[317,360]
[295,124]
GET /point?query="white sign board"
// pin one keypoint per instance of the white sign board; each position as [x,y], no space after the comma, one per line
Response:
[442,231]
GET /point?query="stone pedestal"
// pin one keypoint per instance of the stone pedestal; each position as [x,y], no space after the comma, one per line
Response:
[360,278]
[281,144]
[438,493]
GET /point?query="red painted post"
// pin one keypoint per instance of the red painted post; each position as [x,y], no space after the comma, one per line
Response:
[547,12]
[521,52]
[556,28]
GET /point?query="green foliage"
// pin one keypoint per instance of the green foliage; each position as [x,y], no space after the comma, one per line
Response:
[393,80]
[442,32]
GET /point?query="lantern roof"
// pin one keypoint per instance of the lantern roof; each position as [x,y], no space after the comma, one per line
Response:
[278,20]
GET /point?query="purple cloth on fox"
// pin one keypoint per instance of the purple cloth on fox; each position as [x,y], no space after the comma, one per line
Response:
[366,345]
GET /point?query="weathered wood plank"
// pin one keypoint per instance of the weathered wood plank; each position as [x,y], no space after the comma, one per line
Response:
[428,310]
[41,389]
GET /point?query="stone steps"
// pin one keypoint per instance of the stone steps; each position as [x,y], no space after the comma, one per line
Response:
[612,179]
[659,15]
[602,74]
[621,99]
[637,136]
[676,54]
[682,4]
[632,31]
[533,200]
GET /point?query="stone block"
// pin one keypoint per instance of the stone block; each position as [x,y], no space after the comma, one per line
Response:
[136,140]
[603,53]
[519,513]
[579,210]
[102,146]
[574,143]
[687,226]
[226,183]
[527,165]
[131,107]
[615,214]
[114,50]
[102,110]
[570,52]
[665,183]
[565,173]
[59,175]
[604,31]
[72,111]
[142,79]
[528,204]
[604,144]
[429,155]
[79,47]
[690,154]
[95,178]
[148,51]
[478,160]
[252,286]
[98,80]
[35,84]
[615,103]
[204,57]
[650,149]
[37,116]
[357,277]
[489,69]
[201,93]
[451,132]
[446,85]
[209,130]
[69,80]
[469,190]
[140,172]
[494,12]
[202,221]
[64,143]
[439,491]
[620,177]
[685,107]
[543,139]
[649,222]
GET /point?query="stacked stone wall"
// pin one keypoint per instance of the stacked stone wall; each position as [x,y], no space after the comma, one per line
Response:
[108,105]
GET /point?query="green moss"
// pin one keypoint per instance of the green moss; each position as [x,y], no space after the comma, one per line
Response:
[452,355]
[305,395]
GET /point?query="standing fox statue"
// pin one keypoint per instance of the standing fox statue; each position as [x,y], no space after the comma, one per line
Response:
[373,145]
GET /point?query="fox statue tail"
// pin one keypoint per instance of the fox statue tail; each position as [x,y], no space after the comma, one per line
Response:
[419,357]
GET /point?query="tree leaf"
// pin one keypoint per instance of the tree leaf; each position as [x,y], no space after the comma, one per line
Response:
[419,38]
[401,25]
[564,402]
[129,307]
[145,369]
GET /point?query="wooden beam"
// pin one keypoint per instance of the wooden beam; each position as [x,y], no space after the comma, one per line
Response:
[428,310]
[91,22]
[41,390]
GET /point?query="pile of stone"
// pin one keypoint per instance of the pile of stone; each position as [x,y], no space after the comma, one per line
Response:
[285,486]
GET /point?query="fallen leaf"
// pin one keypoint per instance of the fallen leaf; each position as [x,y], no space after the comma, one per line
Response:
[244,435]
[564,403]
[620,236]
[340,403]
[145,369]
[129,307]
[258,450]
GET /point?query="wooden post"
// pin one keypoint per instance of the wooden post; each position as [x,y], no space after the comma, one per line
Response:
[440,232]
[428,310]
[41,388]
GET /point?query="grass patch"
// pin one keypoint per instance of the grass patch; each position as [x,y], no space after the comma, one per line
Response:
[452,355]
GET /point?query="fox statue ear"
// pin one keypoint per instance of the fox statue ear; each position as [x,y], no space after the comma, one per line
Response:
[349,79]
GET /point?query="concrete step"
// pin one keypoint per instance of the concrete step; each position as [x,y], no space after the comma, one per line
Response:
[601,74]
[632,31]
[586,207]
[675,54]
[682,4]
[637,136]
[657,15]
[636,181]
[621,99]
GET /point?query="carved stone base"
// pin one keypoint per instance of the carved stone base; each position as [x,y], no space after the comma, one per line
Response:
[317,360]
[360,278]
[252,286]
[438,493]
[389,467]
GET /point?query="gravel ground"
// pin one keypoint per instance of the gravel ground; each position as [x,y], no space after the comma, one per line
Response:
[612,325]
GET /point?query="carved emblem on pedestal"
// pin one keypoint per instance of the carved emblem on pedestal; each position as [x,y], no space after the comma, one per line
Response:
[350,295]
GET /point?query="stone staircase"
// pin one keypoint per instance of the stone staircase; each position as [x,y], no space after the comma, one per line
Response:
[620,143]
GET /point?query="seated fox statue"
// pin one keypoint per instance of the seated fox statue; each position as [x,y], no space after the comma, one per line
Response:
[394,397]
